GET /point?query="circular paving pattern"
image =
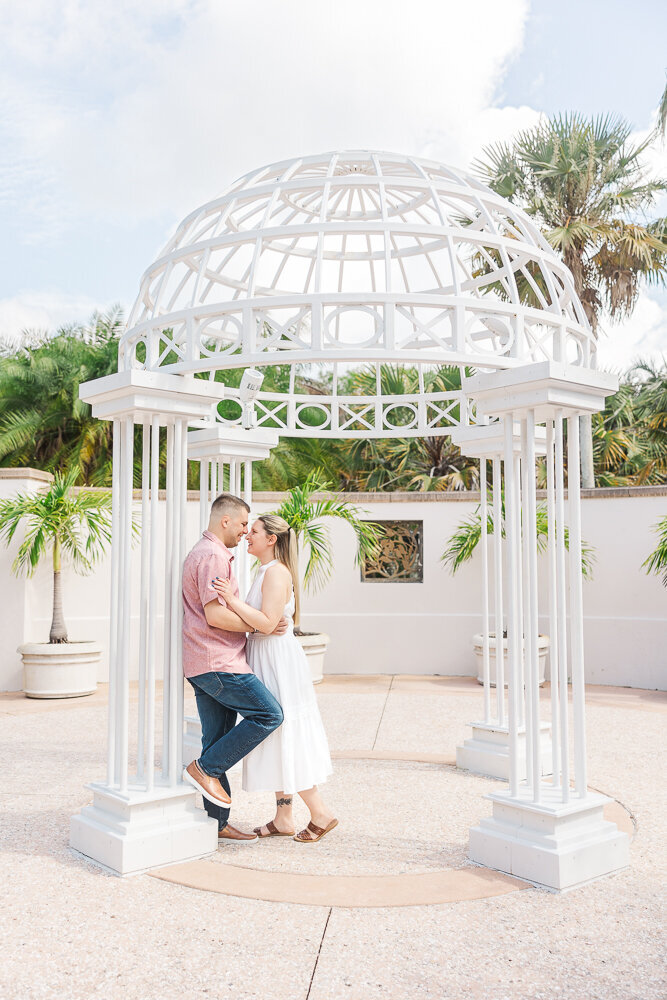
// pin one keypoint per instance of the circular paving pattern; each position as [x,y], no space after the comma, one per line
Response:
[402,839]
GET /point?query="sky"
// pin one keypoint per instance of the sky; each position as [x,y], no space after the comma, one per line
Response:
[117,120]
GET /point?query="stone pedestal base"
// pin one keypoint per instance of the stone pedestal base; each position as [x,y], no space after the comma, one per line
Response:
[487,751]
[192,743]
[553,845]
[191,740]
[137,831]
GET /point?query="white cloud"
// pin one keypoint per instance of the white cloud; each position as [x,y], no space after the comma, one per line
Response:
[41,311]
[485,128]
[133,112]
[642,336]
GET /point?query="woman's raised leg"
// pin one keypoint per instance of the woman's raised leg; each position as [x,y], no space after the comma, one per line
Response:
[320,816]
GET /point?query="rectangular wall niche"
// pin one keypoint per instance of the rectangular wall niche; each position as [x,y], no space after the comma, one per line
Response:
[401,557]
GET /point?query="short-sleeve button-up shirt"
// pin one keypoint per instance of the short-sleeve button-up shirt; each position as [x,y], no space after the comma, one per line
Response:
[207,649]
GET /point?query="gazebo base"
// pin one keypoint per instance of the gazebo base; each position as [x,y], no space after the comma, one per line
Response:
[554,845]
[133,832]
[487,751]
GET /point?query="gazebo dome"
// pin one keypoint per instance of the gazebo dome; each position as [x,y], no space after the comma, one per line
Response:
[351,258]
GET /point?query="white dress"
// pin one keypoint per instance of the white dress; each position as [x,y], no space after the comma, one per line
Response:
[296,755]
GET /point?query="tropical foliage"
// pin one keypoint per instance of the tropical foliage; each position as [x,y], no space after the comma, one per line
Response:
[466,537]
[43,423]
[657,561]
[77,524]
[584,182]
[304,511]
[378,464]
[630,434]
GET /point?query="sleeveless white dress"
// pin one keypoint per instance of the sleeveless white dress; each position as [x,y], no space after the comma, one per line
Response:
[296,755]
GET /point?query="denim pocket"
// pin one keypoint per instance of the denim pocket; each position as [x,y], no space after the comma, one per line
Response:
[210,684]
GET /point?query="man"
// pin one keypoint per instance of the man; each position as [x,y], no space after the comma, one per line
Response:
[214,662]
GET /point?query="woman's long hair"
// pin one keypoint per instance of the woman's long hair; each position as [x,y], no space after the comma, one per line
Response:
[286,551]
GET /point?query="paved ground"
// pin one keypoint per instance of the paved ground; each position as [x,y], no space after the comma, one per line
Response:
[68,930]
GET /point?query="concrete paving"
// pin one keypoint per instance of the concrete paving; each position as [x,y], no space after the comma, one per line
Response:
[69,930]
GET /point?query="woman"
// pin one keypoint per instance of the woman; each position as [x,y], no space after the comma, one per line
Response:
[295,757]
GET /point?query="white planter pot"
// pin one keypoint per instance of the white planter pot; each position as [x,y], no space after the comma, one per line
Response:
[61,670]
[542,648]
[315,646]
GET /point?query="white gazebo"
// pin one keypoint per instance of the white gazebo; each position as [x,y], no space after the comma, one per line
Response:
[323,263]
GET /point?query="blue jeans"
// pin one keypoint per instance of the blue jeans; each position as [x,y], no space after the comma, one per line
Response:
[220,697]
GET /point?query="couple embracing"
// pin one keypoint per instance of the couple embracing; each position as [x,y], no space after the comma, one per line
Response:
[242,659]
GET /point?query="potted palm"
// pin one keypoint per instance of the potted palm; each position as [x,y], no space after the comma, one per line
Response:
[76,525]
[305,514]
[656,562]
[460,549]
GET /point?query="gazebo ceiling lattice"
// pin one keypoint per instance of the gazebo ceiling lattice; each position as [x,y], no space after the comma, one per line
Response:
[356,258]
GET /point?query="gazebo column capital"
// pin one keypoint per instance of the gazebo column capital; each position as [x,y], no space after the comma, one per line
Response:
[140,395]
[215,441]
[488,440]
[544,388]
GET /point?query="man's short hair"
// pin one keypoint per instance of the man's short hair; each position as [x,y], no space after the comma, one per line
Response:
[227,503]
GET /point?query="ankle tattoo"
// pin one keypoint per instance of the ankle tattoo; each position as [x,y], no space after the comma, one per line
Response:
[287,801]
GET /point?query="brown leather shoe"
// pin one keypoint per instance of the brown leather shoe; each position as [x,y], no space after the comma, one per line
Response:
[209,786]
[237,836]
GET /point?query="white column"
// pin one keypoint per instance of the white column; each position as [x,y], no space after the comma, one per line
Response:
[498,589]
[114,620]
[154,545]
[168,582]
[514,511]
[561,603]
[182,554]
[233,477]
[247,483]
[175,616]
[513,549]
[143,596]
[528,477]
[532,632]
[126,476]
[204,507]
[553,607]
[245,491]
[576,606]
[484,515]
[214,483]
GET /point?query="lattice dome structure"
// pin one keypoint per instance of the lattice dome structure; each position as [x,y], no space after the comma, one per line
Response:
[348,259]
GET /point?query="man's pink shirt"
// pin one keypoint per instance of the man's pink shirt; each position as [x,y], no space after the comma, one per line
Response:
[206,649]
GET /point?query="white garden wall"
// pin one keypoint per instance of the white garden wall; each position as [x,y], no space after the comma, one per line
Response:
[379,627]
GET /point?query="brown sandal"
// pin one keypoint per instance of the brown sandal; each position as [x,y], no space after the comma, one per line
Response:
[317,830]
[273,832]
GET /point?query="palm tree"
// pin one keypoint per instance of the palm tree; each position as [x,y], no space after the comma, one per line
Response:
[661,123]
[42,420]
[630,434]
[467,534]
[425,464]
[657,561]
[584,183]
[304,514]
[78,525]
